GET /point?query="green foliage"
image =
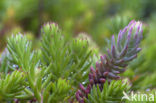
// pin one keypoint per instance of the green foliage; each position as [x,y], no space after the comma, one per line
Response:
[20,51]
[60,90]
[47,75]
[12,85]
[65,59]
[111,93]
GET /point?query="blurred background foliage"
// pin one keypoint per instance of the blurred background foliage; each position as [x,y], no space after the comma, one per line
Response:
[97,19]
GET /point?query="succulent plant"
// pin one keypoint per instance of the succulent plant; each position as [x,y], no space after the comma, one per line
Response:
[122,51]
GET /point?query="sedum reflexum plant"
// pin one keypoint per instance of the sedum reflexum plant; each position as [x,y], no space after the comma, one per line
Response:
[122,51]
[45,75]
[64,59]
[51,74]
